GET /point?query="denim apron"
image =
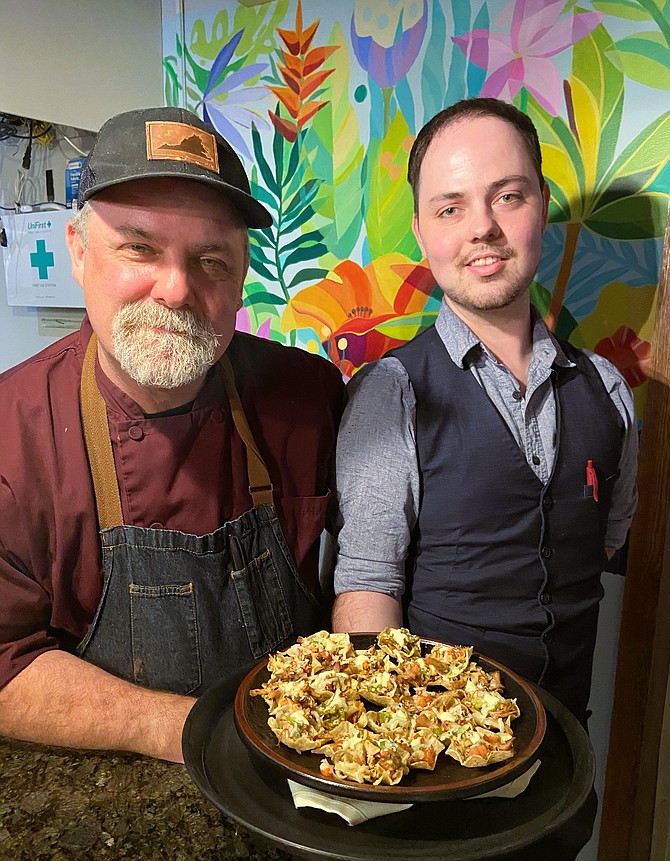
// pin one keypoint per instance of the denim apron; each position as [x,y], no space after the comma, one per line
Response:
[179,611]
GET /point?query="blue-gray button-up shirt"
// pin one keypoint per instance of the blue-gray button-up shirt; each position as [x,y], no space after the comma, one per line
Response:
[379,492]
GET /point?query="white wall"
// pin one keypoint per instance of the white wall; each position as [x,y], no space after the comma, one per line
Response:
[78,62]
[73,63]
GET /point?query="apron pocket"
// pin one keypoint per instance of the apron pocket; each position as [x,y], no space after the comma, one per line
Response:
[263,605]
[164,637]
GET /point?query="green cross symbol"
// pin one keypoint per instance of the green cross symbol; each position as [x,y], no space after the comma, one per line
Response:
[42,259]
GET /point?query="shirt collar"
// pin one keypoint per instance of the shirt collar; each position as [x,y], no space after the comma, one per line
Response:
[460,340]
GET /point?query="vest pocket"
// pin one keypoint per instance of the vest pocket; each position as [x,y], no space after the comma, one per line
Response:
[164,637]
[262,604]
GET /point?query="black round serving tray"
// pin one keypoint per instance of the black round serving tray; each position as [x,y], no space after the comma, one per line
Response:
[258,797]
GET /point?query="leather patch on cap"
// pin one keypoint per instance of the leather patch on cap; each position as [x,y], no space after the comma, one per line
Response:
[181,142]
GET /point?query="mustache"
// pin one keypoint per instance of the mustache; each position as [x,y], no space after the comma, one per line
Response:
[505,251]
[184,321]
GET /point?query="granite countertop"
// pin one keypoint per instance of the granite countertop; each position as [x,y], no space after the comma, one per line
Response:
[66,805]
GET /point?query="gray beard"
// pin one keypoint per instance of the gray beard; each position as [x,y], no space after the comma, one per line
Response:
[162,360]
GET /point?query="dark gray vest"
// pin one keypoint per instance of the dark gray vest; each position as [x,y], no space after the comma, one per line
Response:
[498,560]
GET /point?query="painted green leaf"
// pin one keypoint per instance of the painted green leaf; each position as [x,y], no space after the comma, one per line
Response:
[561,162]
[253,288]
[262,194]
[433,78]
[305,239]
[312,275]
[305,252]
[172,85]
[591,65]
[261,237]
[302,198]
[644,157]
[259,22]
[261,269]
[407,327]
[630,10]
[262,164]
[200,75]
[540,297]
[302,217]
[390,206]
[645,58]
[641,216]
[603,83]
[264,299]
[559,205]
[338,137]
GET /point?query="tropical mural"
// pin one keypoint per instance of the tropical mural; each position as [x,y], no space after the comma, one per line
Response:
[323,101]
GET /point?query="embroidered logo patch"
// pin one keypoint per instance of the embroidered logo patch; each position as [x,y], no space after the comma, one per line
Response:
[180,142]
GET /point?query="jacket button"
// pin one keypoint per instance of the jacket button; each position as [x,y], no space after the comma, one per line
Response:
[547,502]
[135,432]
[547,552]
[545,598]
[217,416]
[516,394]
[546,637]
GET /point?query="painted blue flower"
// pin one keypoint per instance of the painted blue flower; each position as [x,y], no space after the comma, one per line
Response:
[226,101]
[387,40]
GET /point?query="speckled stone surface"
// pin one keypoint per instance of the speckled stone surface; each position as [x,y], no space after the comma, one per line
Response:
[65,805]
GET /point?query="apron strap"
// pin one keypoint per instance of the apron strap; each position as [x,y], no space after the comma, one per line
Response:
[260,486]
[98,443]
[99,446]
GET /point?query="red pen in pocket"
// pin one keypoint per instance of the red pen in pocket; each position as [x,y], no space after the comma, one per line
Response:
[591,481]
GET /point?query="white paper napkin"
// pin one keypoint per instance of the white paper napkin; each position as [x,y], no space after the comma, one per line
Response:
[354,811]
[350,809]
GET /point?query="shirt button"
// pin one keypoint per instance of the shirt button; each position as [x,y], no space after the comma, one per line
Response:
[536,460]
[545,598]
[547,502]
[135,432]
[516,394]
[547,552]
[217,416]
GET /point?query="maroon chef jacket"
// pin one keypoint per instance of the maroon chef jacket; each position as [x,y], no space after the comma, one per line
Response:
[184,472]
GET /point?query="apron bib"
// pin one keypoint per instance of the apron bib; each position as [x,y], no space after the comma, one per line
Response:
[179,611]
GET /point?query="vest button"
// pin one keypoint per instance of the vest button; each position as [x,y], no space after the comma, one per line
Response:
[547,502]
[547,552]
[136,433]
[516,394]
[156,525]
[545,598]
[536,460]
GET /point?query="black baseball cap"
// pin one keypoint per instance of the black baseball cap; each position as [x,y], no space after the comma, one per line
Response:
[171,142]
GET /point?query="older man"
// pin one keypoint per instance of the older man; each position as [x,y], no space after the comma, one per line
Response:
[486,470]
[163,480]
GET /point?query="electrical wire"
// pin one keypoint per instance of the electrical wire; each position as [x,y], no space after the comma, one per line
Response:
[74,146]
[10,125]
[28,154]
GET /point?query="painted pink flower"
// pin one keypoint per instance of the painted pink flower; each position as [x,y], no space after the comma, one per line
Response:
[517,54]
[630,354]
[243,324]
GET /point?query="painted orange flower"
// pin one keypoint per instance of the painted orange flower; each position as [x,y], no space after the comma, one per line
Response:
[628,353]
[302,75]
[346,308]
